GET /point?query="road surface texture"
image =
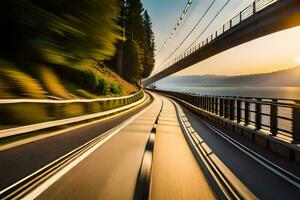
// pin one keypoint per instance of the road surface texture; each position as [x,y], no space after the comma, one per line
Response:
[18,162]
[175,172]
[111,171]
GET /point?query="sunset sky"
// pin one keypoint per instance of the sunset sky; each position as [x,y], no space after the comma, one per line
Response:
[271,53]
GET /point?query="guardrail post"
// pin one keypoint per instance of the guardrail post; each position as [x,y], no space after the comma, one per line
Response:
[212,101]
[258,114]
[295,123]
[254,7]
[240,17]
[195,102]
[247,106]
[273,118]
[238,111]
[231,109]
[216,105]
[200,102]
[207,104]
[221,110]
[213,105]
[230,23]
[210,104]
[226,108]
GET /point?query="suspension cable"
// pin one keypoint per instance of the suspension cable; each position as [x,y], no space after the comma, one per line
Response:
[184,40]
[208,25]
[182,16]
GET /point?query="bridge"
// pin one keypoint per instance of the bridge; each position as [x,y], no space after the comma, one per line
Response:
[261,18]
[158,144]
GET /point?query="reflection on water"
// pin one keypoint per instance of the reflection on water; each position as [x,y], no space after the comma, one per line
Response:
[266,92]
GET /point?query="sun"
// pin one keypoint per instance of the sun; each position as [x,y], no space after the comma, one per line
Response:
[297,59]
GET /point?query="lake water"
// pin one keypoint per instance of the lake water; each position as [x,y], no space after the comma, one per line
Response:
[266,92]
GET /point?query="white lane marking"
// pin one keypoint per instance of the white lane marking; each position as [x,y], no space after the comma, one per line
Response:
[41,188]
[10,101]
[43,136]
[43,125]
[31,175]
[124,124]
[239,145]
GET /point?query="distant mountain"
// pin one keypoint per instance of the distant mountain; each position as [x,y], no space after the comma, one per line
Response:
[283,78]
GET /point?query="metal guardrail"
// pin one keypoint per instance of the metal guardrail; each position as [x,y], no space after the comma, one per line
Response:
[277,116]
[255,7]
[16,112]
[50,124]
[9,101]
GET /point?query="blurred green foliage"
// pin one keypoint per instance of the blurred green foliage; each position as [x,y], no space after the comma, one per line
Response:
[103,87]
[53,46]
[73,33]
[115,89]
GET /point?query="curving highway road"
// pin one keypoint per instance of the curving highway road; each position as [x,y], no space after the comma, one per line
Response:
[158,150]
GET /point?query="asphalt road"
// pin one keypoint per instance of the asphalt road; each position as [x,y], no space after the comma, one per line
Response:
[111,170]
[18,162]
[263,182]
[175,171]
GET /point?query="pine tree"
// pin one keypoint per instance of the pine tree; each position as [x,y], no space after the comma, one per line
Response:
[116,62]
[132,61]
[149,46]
[134,22]
[138,30]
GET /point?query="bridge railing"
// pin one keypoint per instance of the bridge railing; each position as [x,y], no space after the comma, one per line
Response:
[249,11]
[272,115]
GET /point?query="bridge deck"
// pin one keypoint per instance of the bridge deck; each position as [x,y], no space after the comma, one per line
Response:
[175,172]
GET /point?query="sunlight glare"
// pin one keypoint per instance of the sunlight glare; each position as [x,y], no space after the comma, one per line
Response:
[297,59]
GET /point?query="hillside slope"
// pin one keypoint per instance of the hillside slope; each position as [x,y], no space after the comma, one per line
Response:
[61,83]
